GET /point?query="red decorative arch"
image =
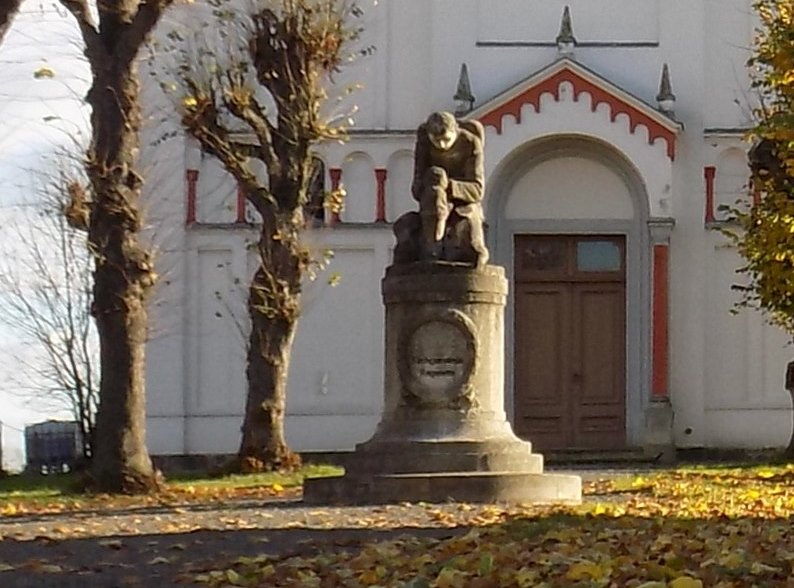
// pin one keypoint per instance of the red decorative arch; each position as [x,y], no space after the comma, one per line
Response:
[600,95]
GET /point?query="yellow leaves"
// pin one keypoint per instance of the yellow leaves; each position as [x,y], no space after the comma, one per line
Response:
[525,578]
[48,569]
[9,509]
[685,582]
[449,578]
[732,561]
[586,570]
[189,102]
[373,576]
[600,509]
[44,73]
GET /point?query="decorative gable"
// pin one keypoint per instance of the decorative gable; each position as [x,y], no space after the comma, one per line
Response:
[583,81]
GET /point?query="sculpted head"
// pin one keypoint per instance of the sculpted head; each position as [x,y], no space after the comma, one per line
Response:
[442,130]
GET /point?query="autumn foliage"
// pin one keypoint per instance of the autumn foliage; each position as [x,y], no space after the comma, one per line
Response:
[766,236]
[725,528]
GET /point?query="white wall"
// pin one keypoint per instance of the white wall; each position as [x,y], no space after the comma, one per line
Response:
[726,370]
[570,188]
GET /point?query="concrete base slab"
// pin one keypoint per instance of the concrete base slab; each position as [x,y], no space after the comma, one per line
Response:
[509,487]
[658,444]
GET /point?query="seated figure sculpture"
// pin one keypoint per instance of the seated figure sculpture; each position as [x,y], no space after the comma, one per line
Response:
[449,186]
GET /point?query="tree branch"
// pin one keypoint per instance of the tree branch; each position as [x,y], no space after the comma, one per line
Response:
[147,16]
[201,121]
[85,21]
[252,113]
[8,10]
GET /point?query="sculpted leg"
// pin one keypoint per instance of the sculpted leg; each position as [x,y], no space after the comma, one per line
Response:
[434,206]
[468,243]
[478,242]
[408,231]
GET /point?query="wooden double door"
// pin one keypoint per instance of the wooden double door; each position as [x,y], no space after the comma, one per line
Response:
[570,341]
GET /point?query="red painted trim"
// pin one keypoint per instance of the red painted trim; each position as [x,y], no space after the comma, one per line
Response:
[709,173]
[599,95]
[192,176]
[240,206]
[661,335]
[336,180]
[380,208]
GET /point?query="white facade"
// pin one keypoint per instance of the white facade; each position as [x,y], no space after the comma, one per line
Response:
[574,146]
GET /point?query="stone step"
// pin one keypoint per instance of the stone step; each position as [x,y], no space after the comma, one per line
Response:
[406,457]
[508,487]
[435,462]
[590,456]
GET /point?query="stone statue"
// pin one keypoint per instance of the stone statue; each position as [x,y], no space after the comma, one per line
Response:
[444,434]
[449,185]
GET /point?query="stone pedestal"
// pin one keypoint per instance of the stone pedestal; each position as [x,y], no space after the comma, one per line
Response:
[444,434]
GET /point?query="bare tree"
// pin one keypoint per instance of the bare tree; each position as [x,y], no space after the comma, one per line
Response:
[113,35]
[272,88]
[8,10]
[45,293]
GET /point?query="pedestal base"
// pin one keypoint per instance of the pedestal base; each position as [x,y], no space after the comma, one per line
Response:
[507,487]
[444,434]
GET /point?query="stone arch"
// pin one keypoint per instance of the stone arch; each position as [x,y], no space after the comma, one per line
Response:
[358,178]
[398,187]
[628,215]
[732,181]
[522,160]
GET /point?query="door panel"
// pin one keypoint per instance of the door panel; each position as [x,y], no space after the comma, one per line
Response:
[599,368]
[541,363]
[570,338]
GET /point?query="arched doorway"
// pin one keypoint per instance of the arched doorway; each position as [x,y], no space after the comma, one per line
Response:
[568,218]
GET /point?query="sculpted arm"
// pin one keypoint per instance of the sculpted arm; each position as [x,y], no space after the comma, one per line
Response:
[421,162]
[471,187]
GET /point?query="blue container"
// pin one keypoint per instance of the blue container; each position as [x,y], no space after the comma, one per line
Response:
[53,446]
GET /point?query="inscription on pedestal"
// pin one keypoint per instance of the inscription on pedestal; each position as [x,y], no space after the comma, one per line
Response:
[438,361]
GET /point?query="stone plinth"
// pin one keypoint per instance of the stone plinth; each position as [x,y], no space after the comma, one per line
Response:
[444,433]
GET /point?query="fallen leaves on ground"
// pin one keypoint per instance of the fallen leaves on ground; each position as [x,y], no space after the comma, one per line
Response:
[171,496]
[54,500]
[680,529]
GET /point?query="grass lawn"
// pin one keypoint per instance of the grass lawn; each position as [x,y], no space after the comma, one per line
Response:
[26,493]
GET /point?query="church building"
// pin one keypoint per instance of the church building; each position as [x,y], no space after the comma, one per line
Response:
[614,132]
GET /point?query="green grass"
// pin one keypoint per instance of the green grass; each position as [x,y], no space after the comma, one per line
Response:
[36,488]
[250,480]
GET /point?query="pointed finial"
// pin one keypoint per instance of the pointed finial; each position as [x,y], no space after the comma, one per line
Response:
[463,97]
[666,98]
[565,40]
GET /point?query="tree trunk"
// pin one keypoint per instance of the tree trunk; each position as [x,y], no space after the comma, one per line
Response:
[122,279]
[788,454]
[8,10]
[274,299]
